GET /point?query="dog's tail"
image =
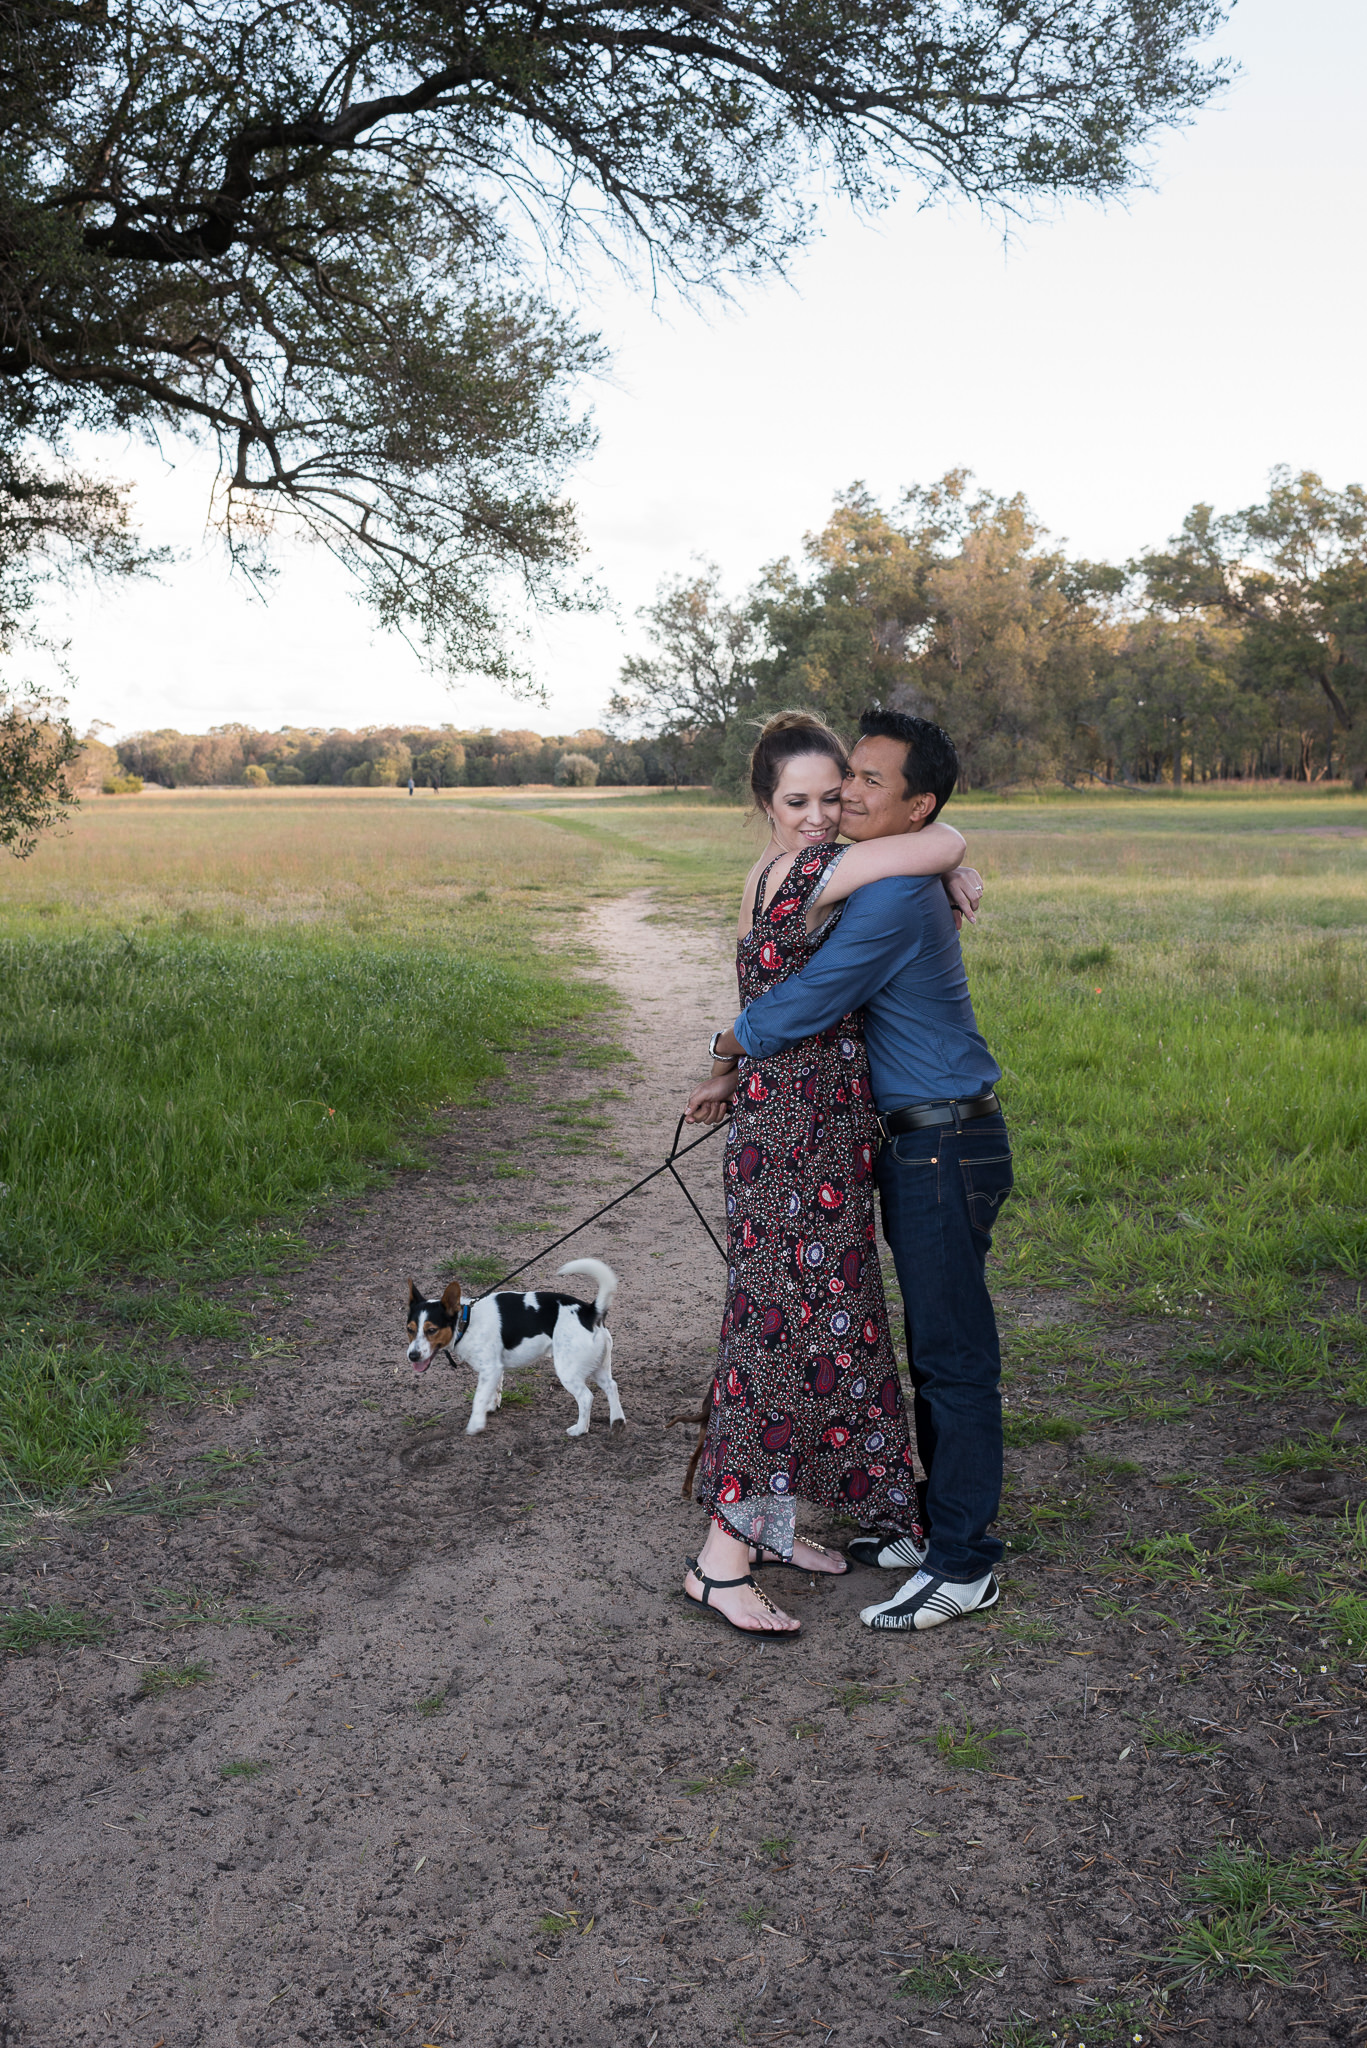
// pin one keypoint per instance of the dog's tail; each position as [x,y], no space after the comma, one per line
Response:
[604,1277]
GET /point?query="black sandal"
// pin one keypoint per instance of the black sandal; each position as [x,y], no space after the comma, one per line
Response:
[764,1556]
[710,1586]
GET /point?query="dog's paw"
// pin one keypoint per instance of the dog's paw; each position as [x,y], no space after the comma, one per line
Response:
[619,1422]
[474,1427]
[577,1429]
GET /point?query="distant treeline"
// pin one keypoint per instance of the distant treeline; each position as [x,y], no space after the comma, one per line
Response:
[1239,650]
[376,756]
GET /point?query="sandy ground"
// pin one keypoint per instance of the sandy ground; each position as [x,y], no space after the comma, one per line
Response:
[502,1788]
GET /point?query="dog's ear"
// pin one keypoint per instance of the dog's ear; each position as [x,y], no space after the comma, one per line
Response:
[415,1294]
[450,1299]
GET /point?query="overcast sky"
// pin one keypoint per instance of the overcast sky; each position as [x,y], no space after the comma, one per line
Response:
[1116,365]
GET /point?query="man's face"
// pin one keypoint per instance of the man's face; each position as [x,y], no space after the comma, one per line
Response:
[873,802]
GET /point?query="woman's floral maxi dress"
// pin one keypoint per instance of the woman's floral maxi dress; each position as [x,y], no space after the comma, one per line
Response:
[806,1399]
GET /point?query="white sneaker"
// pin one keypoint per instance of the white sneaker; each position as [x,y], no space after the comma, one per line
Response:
[928,1599]
[888,1553]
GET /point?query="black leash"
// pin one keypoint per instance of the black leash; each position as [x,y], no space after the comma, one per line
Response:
[667,1167]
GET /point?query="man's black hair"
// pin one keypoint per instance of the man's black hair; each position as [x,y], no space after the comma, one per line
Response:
[931,763]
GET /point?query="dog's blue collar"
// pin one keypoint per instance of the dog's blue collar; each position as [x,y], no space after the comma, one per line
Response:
[458,1329]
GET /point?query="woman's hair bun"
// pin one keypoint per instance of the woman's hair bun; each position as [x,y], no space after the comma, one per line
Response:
[785,737]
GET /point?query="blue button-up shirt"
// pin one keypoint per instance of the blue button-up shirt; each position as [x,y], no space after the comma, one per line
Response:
[895,952]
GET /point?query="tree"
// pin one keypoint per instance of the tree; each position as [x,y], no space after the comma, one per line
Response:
[1292,573]
[442,765]
[954,609]
[51,518]
[1169,695]
[294,232]
[37,747]
[575,771]
[686,695]
[1008,661]
[840,637]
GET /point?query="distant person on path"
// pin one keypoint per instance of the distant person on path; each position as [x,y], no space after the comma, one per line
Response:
[410,785]
[943,1171]
[807,1399]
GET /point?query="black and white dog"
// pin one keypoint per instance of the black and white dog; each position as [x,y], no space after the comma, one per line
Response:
[498,1330]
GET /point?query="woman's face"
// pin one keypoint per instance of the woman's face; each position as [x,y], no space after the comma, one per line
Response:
[805,807]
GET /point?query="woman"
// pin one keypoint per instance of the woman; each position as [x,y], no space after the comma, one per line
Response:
[806,1398]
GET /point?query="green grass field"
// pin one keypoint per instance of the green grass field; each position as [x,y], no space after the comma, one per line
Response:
[1177,992]
[214,1013]
[218,1007]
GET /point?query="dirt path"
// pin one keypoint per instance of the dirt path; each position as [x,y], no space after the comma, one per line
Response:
[487,1781]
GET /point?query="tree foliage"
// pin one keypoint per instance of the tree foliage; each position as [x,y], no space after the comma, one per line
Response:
[301,233]
[1291,576]
[575,771]
[37,749]
[953,607]
[51,518]
[439,758]
[1240,649]
[686,695]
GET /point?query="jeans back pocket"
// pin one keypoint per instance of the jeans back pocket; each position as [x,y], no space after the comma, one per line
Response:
[988,1180]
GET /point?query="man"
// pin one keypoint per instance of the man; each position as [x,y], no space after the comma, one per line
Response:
[944,1168]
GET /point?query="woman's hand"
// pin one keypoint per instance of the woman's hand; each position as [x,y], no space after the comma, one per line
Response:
[965,886]
[711,1100]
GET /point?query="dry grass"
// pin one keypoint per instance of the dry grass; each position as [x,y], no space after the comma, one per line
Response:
[349,858]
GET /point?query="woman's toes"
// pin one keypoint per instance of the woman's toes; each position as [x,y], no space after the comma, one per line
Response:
[814,1557]
[756,1617]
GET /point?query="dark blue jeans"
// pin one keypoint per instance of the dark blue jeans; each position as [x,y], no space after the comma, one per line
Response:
[942,1189]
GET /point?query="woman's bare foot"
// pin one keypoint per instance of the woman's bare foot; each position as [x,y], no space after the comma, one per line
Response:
[807,1556]
[725,1557]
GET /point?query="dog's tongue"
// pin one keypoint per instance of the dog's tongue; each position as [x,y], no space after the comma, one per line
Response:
[421,1364]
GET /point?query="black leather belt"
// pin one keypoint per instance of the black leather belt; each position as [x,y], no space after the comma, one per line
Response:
[920,1114]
